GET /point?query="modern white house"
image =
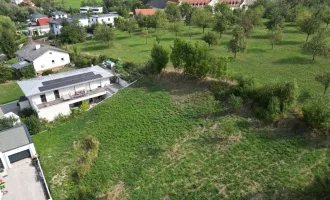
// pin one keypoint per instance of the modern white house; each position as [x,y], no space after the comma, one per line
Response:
[15,144]
[43,57]
[108,19]
[95,10]
[56,94]
[59,15]
[82,18]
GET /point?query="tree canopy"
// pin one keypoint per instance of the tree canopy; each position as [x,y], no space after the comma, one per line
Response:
[72,33]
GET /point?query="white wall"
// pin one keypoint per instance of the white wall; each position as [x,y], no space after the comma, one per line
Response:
[4,156]
[24,104]
[50,96]
[83,22]
[44,62]
[56,29]
[16,1]
[100,20]
[95,84]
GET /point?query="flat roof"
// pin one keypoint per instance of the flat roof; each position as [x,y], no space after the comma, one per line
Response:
[41,85]
[20,65]
[13,138]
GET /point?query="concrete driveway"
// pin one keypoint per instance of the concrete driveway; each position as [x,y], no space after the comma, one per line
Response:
[21,182]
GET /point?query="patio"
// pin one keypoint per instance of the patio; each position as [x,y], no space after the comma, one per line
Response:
[21,182]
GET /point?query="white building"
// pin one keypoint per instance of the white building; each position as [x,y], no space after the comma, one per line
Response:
[56,26]
[38,30]
[95,10]
[108,19]
[82,18]
[43,57]
[56,94]
[16,1]
[59,15]
[15,144]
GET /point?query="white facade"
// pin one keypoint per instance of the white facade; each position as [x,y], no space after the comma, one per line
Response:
[4,156]
[55,28]
[95,10]
[49,60]
[38,30]
[83,22]
[17,1]
[53,106]
[59,16]
[106,18]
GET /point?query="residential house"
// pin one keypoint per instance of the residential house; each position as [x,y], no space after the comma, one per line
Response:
[15,144]
[59,15]
[95,10]
[108,19]
[195,3]
[56,26]
[56,94]
[35,16]
[41,27]
[150,11]
[82,18]
[43,57]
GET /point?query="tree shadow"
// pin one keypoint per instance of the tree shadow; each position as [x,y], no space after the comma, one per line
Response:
[123,37]
[259,36]
[256,50]
[94,48]
[294,60]
[292,31]
[289,43]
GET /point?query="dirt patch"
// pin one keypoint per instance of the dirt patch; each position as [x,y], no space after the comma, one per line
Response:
[59,178]
[117,192]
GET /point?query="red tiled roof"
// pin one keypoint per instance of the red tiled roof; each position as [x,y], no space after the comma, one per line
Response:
[196,3]
[43,21]
[150,11]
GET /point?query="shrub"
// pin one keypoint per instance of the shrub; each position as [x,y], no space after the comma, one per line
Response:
[26,112]
[6,73]
[84,106]
[316,112]
[235,101]
[47,72]
[6,123]
[33,124]
[27,72]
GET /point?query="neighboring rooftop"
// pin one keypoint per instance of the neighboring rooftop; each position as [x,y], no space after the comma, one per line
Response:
[79,16]
[150,11]
[20,65]
[106,15]
[14,138]
[158,3]
[37,16]
[58,13]
[43,84]
[43,21]
[30,52]
[57,21]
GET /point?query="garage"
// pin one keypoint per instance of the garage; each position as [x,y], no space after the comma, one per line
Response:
[19,156]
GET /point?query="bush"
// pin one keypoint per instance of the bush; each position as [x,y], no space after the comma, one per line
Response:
[6,123]
[47,72]
[33,124]
[84,106]
[235,101]
[26,112]
[6,73]
[27,72]
[317,112]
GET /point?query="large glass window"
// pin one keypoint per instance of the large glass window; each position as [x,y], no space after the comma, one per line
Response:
[43,98]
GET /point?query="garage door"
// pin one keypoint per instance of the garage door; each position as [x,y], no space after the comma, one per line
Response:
[19,156]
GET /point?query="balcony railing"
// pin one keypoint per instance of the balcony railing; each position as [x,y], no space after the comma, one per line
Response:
[76,95]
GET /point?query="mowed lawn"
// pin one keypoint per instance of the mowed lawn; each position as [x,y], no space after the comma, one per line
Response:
[163,139]
[9,92]
[285,63]
[72,3]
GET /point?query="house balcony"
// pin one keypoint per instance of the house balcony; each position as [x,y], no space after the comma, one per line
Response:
[81,95]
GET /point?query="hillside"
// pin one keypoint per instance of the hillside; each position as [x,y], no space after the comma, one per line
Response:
[170,139]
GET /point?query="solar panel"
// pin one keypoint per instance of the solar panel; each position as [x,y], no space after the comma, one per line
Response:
[70,81]
[67,78]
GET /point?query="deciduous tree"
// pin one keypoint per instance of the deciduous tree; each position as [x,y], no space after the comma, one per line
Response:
[129,25]
[324,79]
[175,27]
[275,36]
[173,12]
[202,18]
[318,45]
[105,33]
[145,34]
[238,43]
[159,59]
[73,33]
[7,44]
[221,24]
[211,38]
[308,24]
[6,73]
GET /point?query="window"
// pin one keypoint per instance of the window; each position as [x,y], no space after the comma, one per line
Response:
[53,61]
[108,19]
[57,94]
[62,59]
[43,98]
[50,52]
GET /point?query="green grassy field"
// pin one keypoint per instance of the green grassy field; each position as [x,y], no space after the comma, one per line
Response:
[169,139]
[9,92]
[72,3]
[284,63]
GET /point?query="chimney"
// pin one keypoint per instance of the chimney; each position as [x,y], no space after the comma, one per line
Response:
[37,46]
